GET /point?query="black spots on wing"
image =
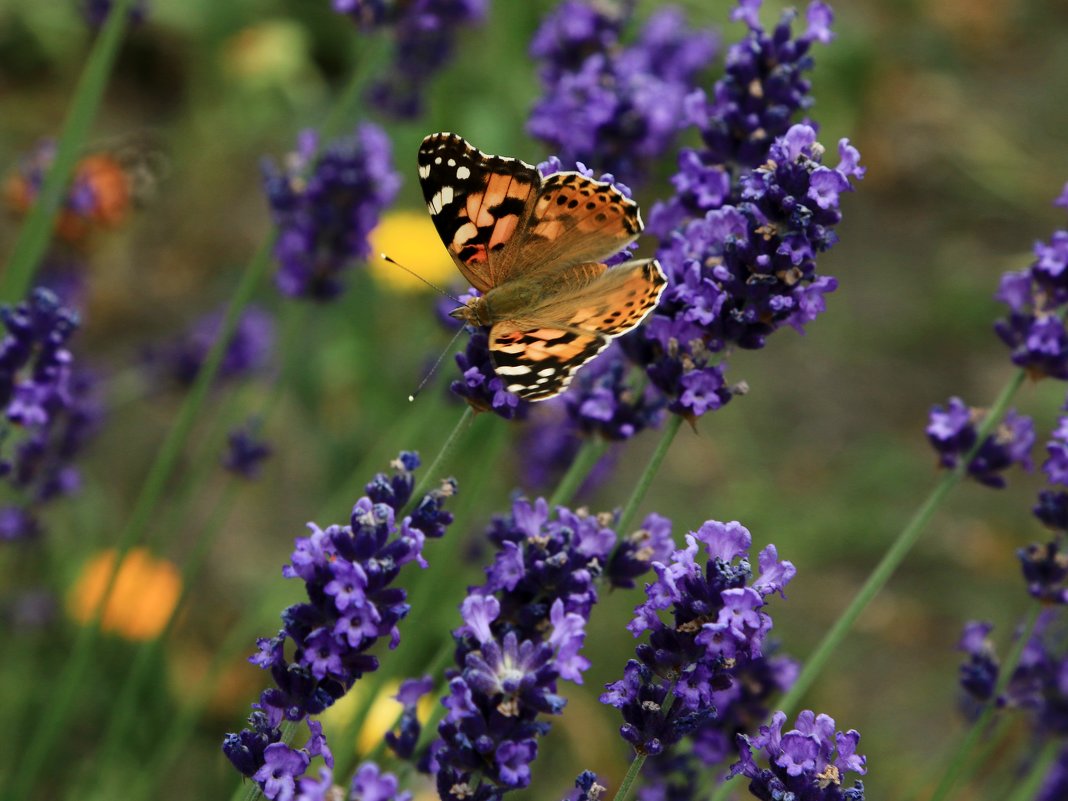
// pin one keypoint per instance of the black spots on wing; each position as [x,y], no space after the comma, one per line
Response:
[572,204]
[591,206]
[601,217]
[560,200]
[468,252]
[510,205]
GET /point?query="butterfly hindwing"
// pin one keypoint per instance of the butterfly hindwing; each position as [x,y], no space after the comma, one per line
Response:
[613,303]
[478,203]
[539,361]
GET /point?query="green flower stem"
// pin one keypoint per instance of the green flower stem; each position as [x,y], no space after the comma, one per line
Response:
[126,704]
[895,556]
[56,713]
[1032,783]
[626,519]
[589,454]
[889,563]
[955,768]
[36,232]
[433,470]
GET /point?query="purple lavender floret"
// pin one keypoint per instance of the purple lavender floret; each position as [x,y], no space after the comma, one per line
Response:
[50,409]
[1034,329]
[1052,510]
[402,742]
[325,203]
[424,34]
[1045,569]
[741,272]
[952,431]
[249,350]
[1037,685]
[612,107]
[246,450]
[718,627]
[479,384]
[348,574]
[523,630]
[807,763]
[602,401]
[979,675]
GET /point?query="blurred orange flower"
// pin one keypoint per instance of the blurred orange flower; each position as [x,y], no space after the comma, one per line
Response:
[411,239]
[141,601]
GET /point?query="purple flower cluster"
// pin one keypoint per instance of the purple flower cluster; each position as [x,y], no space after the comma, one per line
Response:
[424,33]
[740,272]
[326,201]
[246,450]
[49,409]
[1037,684]
[548,445]
[249,350]
[348,574]
[602,401]
[368,783]
[1034,327]
[807,763]
[952,431]
[613,107]
[523,630]
[675,774]
[717,627]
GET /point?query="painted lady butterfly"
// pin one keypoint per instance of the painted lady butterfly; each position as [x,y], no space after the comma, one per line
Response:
[535,249]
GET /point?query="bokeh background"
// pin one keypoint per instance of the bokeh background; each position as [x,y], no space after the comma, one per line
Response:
[960,111]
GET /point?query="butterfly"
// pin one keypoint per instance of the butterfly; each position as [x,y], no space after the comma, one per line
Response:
[535,248]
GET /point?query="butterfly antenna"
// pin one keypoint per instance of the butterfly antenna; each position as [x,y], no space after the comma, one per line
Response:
[433,369]
[435,287]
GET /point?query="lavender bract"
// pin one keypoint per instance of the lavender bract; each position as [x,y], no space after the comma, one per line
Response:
[718,627]
[348,573]
[952,431]
[325,202]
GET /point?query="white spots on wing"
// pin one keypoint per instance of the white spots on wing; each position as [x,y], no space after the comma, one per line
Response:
[441,199]
[462,173]
[517,369]
[437,160]
[465,233]
[451,162]
[545,372]
[517,388]
[424,170]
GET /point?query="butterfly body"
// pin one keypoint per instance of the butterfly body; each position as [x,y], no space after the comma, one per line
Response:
[534,248]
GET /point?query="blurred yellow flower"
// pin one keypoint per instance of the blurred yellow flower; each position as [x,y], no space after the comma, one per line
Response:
[382,714]
[410,238]
[142,599]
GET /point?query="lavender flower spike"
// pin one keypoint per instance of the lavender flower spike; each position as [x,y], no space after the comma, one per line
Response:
[953,430]
[348,574]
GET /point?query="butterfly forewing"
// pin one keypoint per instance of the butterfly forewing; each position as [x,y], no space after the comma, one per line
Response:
[478,204]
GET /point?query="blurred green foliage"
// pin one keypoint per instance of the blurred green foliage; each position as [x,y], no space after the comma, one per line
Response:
[959,110]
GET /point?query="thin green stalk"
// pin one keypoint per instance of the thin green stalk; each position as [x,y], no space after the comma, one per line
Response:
[56,713]
[956,765]
[626,519]
[894,557]
[36,232]
[431,473]
[588,455]
[126,704]
[1029,787]
[888,565]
